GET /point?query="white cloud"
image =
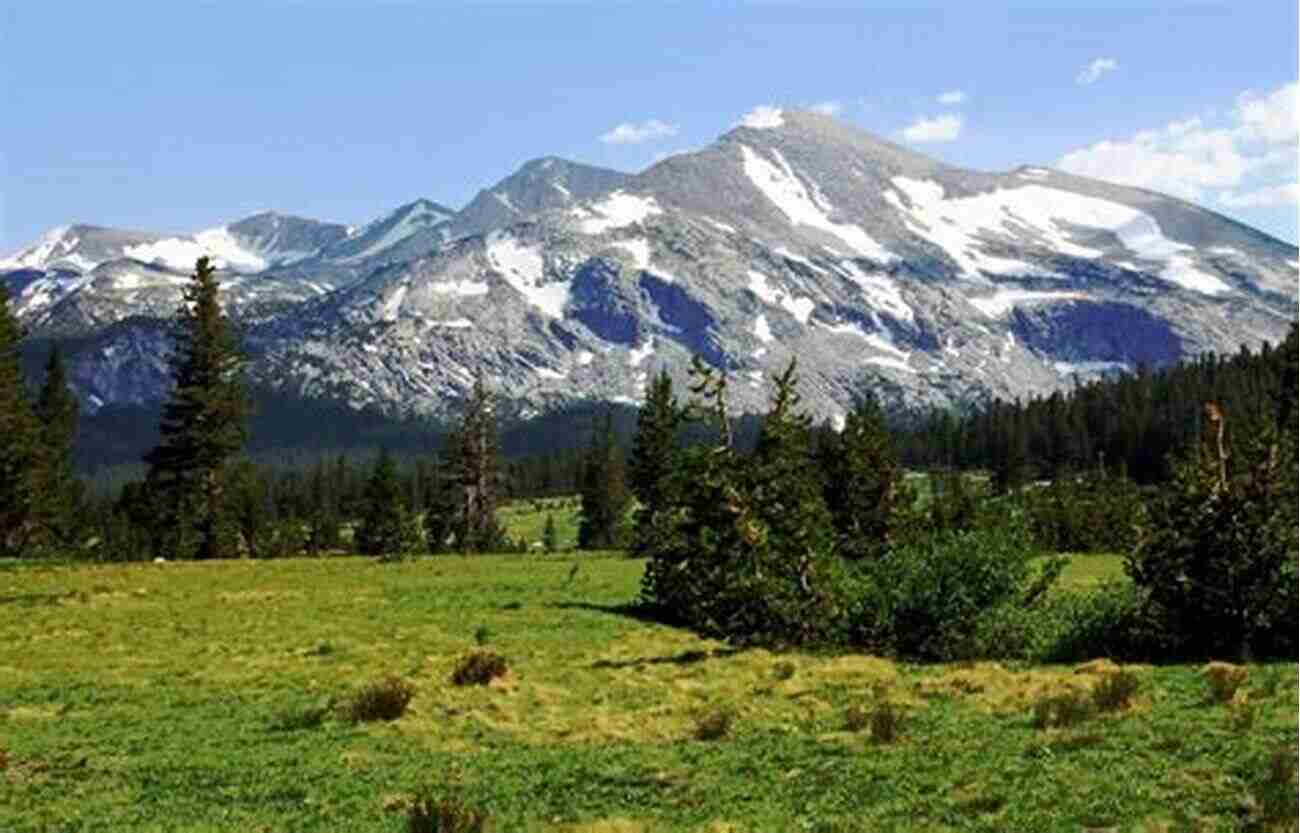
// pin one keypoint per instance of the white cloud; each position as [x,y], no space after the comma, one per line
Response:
[1095,70]
[943,128]
[762,116]
[1270,118]
[630,133]
[828,108]
[1246,159]
[1267,197]
[951,97]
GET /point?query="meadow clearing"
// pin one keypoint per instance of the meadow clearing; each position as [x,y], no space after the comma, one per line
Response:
[202,697]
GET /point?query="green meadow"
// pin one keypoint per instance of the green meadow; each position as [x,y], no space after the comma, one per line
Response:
[203,697]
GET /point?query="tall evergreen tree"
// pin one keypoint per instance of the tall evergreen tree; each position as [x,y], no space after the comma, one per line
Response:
[653,448]
[58,492]
[861,481]
[605,496]
[203,424]
[18,440]
[322,512]
[386,527]
[463,509]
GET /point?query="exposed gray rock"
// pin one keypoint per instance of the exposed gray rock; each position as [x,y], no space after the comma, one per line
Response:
[870,263]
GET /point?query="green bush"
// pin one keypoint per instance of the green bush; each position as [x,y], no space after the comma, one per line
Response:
[1093,512]
[925,596]
[1217,555]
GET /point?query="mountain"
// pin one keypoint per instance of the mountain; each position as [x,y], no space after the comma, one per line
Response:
[793,236]
[541,185]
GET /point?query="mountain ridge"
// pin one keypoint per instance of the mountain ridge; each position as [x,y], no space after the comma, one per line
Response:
[801,237]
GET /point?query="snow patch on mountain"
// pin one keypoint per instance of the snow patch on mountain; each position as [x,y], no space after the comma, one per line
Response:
[1003,301]
[958,225]
[639,248]
[783,187]
[881,292]
[763,117]
[523,268]
[40,252]
[462,288]
[617,210]
[762,331]
[180,253]
[801,308]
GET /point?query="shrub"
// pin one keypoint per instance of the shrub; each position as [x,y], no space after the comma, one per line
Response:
[856,718]
[297,718]
[1065,708]
[1114,691]
[886,719]
[479,668]
[714,724]
[1223,680]
[1276,806]
[385,699]
[482,634]
[448,815]
[1218,552]
[784,670]
[924,597]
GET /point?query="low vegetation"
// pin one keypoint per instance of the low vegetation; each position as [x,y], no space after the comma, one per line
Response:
[140,695]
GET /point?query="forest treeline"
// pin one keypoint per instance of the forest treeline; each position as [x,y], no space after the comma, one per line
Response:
[1130,423]
[768,529]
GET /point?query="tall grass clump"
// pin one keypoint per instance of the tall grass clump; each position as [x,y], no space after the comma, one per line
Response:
[384,699]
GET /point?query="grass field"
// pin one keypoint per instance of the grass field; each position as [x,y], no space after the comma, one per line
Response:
[163,697]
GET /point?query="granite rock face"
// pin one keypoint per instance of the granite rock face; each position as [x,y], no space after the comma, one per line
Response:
[805,237]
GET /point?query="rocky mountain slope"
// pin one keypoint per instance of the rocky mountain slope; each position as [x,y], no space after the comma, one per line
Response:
[795,235]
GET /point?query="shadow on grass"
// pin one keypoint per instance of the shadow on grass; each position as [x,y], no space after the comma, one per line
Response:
[35,599]
[643,613]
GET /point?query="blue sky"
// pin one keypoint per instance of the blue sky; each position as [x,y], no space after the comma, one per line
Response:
[179,116]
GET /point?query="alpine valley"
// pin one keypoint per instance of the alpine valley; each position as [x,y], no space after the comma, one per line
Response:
[793,235]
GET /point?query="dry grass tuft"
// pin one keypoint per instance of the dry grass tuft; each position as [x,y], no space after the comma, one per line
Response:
[1223,679]
[448,815]
[385,699]
[479,668]
[1064,708]
[1114,690]
[714,724]
[886,720]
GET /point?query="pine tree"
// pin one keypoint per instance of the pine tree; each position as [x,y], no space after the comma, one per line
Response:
[203,424]
[19,441]
[322,513]
[58,492]
[549,535]
[386,526]
[471,488]
[653,449]
[605,497]
[862,481]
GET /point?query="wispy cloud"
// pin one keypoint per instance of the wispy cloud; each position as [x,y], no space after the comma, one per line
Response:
[1246,160]
[1095,70]
[951,97]
[943,128]
[828,108]
[632,133]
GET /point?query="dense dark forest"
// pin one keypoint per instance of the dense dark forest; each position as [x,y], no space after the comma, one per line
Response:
[1130,423]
